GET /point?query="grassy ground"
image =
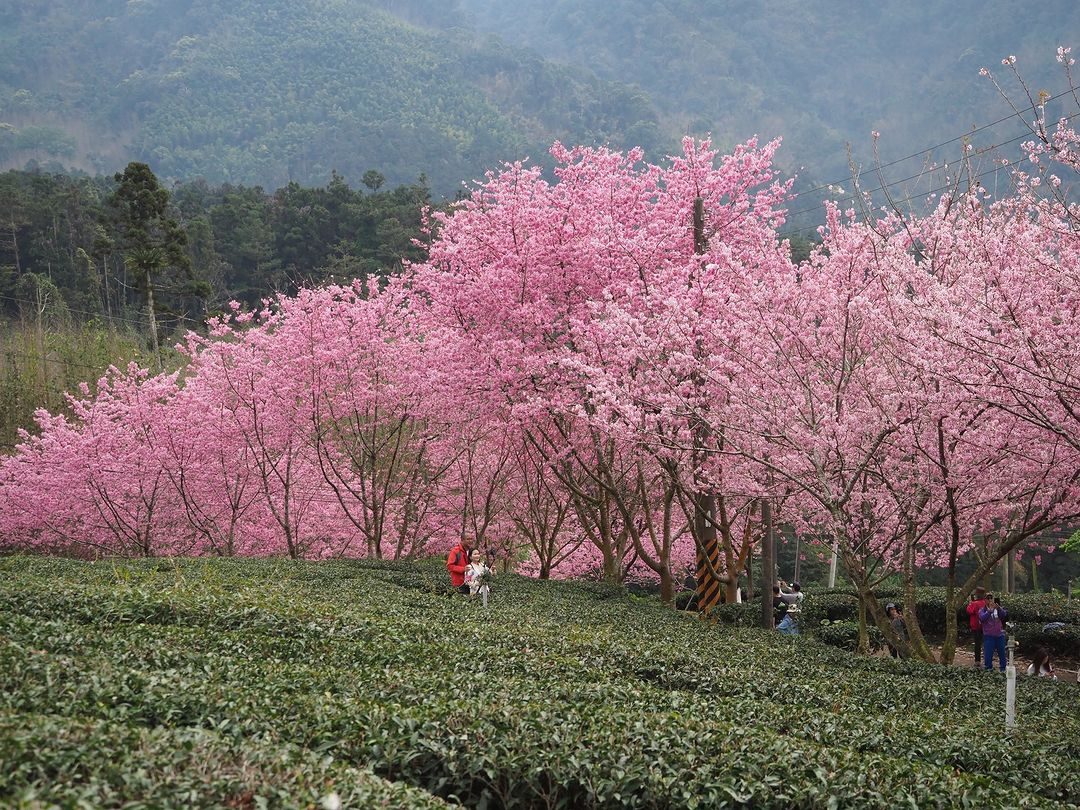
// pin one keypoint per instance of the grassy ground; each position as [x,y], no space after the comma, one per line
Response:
[248,683]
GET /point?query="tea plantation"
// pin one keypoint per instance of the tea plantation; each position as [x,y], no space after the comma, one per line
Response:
[259,683]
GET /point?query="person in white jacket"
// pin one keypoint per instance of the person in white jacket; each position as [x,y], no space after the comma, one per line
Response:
[1040,664]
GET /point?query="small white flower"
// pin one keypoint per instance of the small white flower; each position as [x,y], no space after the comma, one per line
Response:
[331,802]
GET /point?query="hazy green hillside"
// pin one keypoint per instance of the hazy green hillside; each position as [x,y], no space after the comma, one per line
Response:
[818,72]
[272,91]
[269,91]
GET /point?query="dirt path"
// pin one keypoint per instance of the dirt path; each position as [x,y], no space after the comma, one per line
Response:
[1065,668]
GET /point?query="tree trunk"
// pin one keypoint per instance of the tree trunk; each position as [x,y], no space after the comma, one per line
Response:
[871,604]
[768,566]
[108,302]
[153,320]
[15,248]
[864,632]
[39,346]
[708,551]
[667,585]
[916,640]
[948,646]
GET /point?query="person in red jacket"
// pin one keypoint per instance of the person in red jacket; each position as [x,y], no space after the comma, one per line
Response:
[975,604]
[457,561]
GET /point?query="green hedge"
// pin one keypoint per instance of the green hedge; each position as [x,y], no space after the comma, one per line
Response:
[845,635]
[1030,610]
[836,632]
[250,683]
[1058,641]
[740,614]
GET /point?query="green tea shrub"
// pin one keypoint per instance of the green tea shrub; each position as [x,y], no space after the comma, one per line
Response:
[841,604]
[1057,640]
[244,683]
[845,635]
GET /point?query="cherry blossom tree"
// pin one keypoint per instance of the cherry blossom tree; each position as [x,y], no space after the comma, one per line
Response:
[94,480]
[610,375]
[520,273]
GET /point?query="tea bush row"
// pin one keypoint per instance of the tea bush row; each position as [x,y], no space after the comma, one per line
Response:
[1031,611]
[352,677]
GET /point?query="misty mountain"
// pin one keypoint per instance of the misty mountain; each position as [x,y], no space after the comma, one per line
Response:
[271,91]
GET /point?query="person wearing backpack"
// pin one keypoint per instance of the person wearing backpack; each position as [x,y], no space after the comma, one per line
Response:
[457,561]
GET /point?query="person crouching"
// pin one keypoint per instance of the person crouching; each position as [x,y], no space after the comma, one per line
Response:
[457,561]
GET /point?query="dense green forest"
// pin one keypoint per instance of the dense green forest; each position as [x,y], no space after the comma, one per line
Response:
[72,300]
[245,242]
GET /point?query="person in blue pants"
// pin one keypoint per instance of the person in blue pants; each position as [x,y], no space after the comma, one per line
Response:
[789,626]
[992,617]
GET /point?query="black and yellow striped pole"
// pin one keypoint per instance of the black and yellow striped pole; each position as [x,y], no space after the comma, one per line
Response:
[708,555]
[708,551]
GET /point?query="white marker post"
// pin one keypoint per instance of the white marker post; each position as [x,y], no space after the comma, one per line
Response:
[1010,687]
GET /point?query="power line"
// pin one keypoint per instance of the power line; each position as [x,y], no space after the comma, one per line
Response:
[929,149]
[120,318]
[883,186]
[69,363]
[1004,164]
[890,184]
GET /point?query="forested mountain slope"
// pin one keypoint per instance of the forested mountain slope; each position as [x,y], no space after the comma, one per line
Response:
[819,72]
[271,91]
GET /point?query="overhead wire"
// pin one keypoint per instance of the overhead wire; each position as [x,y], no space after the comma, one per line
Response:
[883,186]
[995,168]
[925,151]
[898,181]
[118,318]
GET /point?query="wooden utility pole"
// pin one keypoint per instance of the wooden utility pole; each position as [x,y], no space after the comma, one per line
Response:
[798,552]
[768,565]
